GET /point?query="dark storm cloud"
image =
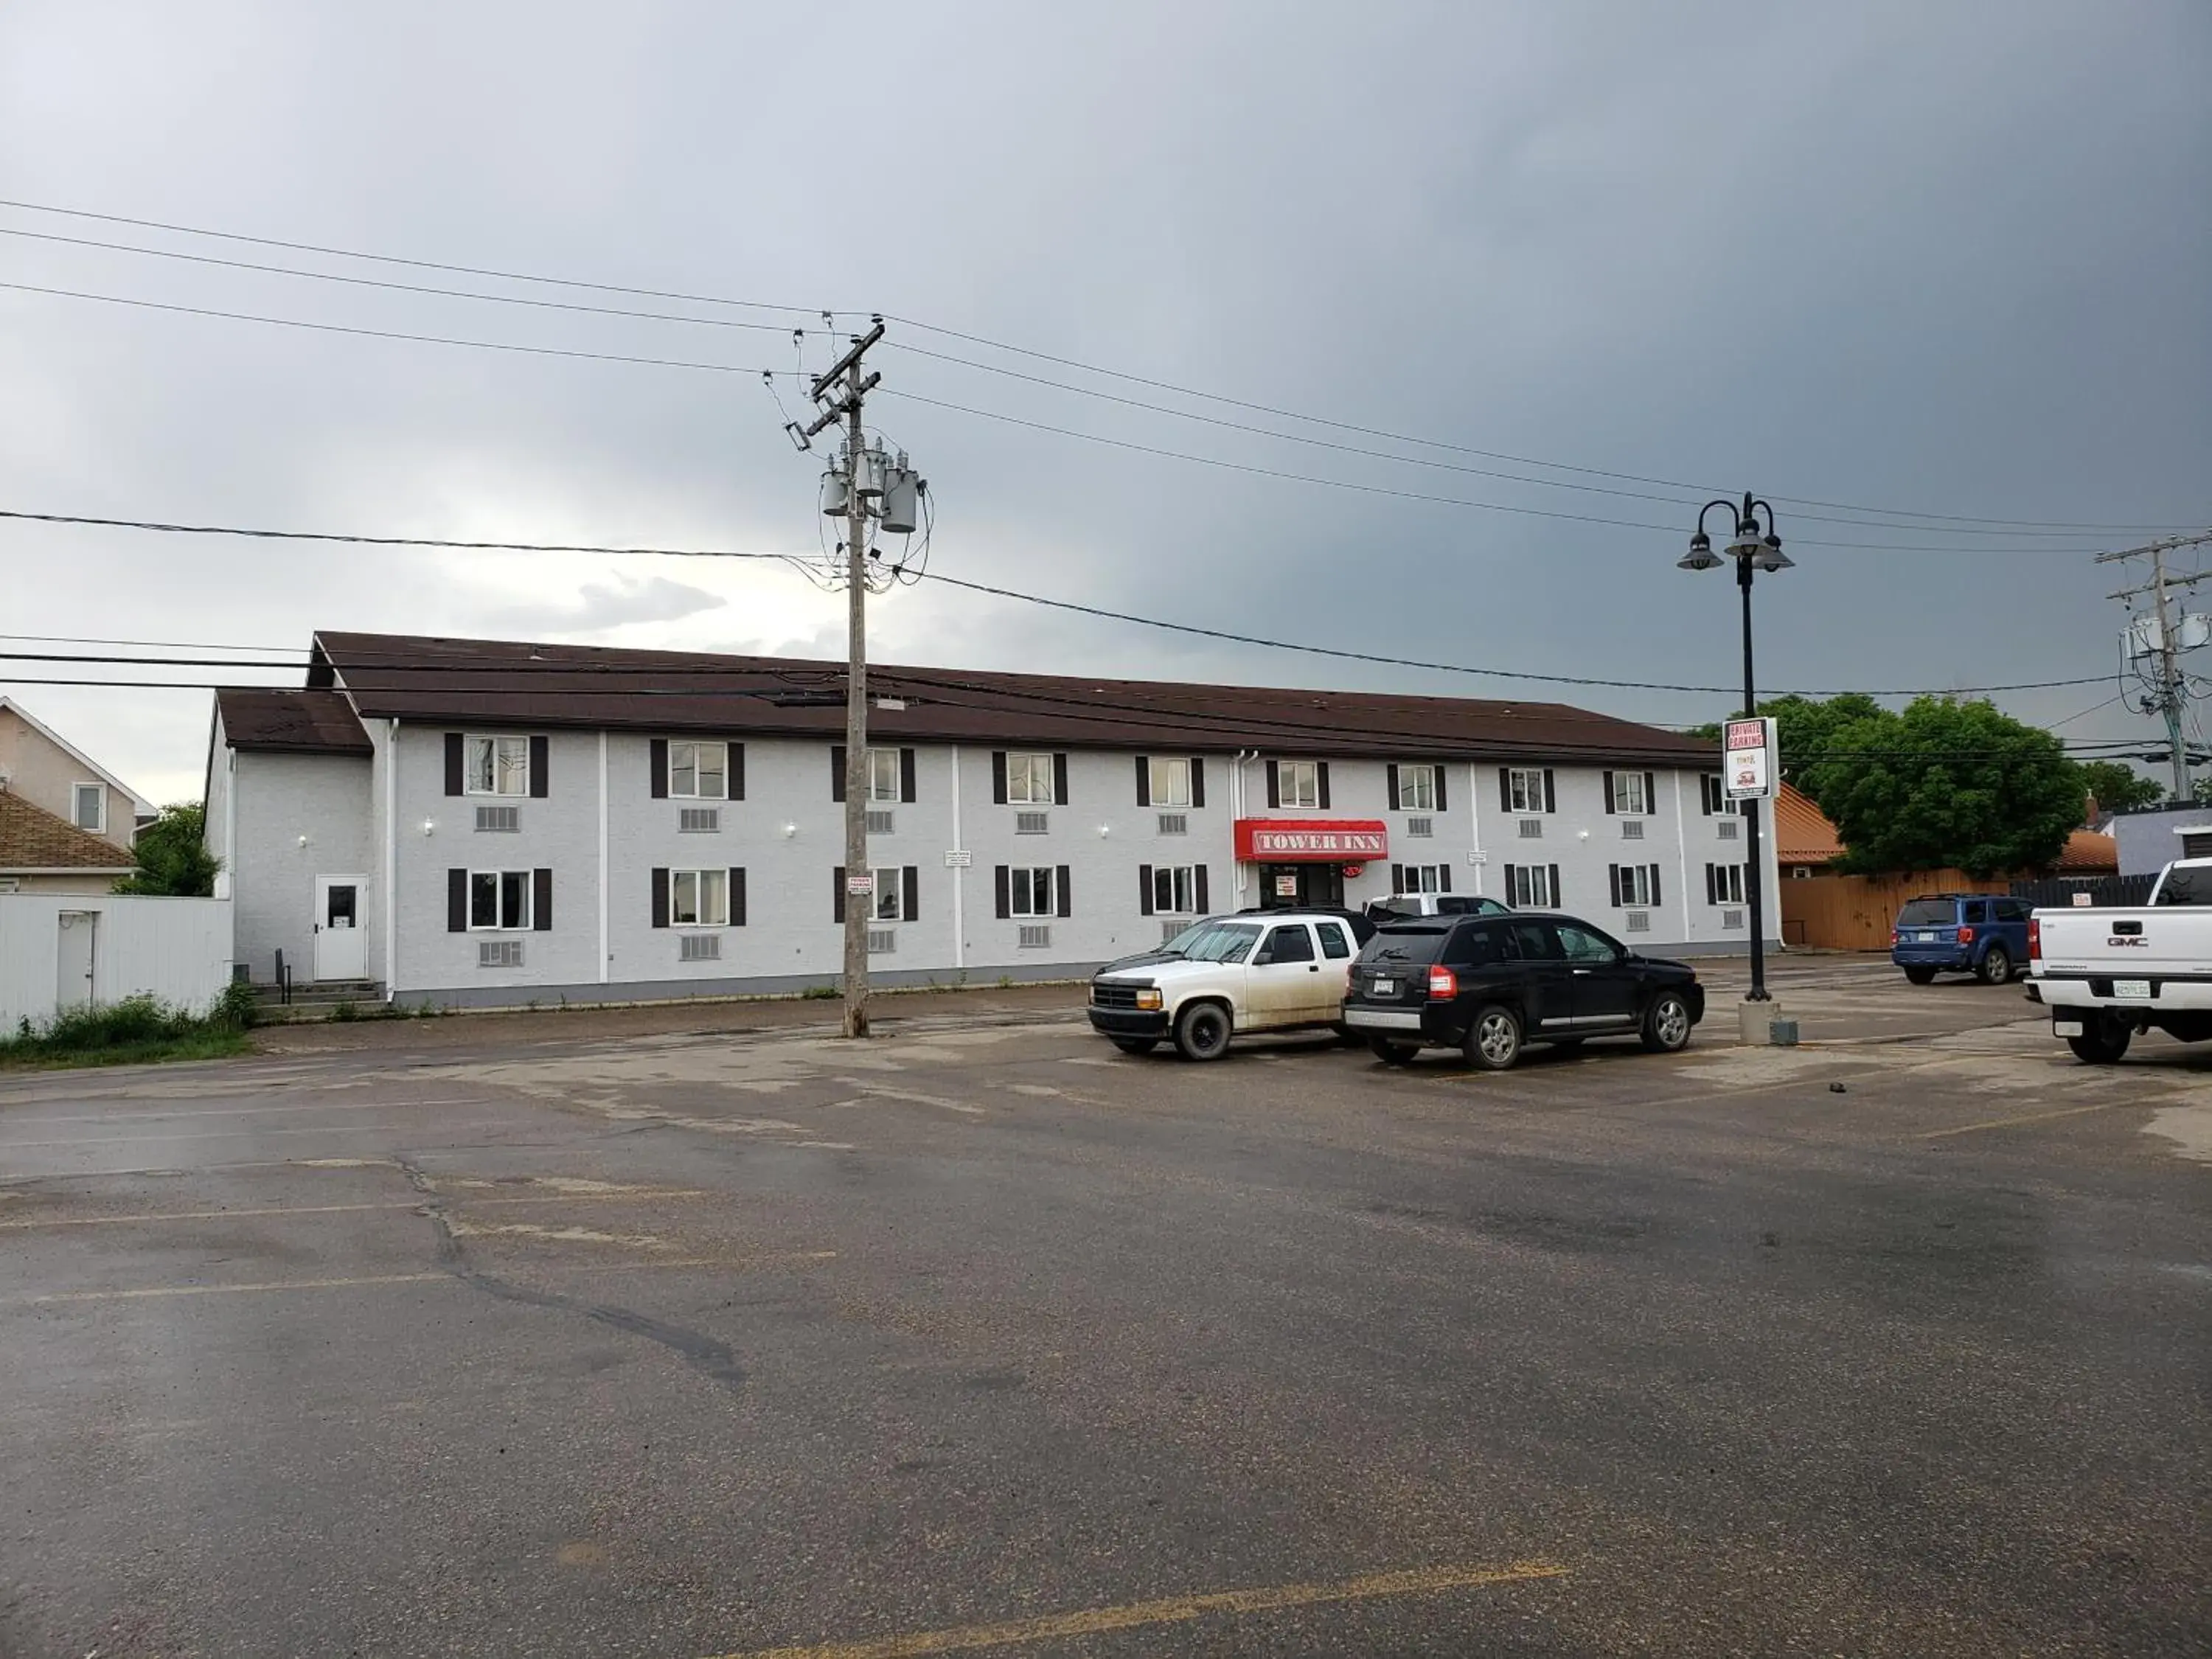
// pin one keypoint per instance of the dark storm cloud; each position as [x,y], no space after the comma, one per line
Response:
[1928,256]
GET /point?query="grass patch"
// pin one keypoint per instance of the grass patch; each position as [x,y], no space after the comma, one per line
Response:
[134,1031]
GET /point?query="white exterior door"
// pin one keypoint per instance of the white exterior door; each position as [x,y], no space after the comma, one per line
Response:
[76,952]
[341,941]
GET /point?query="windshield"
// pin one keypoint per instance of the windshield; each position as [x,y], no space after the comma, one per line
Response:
[1180,945]
[1928,913]
[2188,885]
[1402,943]
[1218,941]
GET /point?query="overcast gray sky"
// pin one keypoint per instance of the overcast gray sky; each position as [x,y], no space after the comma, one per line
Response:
[1938,258]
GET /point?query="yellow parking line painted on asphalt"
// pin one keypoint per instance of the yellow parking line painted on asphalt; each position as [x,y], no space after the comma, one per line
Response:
[1169,1610]
[140,1293]
[2032,1117]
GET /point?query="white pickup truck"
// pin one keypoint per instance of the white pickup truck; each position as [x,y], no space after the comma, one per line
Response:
[1278,970]
[2107,974]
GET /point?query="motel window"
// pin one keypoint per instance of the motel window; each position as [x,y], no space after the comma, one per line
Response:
[1724,884]
[1417,789]
[497,766]
[1029,780]
[1030,891]
[699,771]
[1170,781]
[1635,885]
[1420,879]
[1299,783]
[891,896]
[1532,886]
[1527,788]
[882,774]
[499,901]
[1630,793]
[1175,890]
[699,899]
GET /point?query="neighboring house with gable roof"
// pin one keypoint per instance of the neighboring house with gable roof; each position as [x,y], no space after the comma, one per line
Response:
[40,853]
[39,765]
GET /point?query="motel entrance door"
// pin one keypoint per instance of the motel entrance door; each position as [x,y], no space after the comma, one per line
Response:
[1301,886]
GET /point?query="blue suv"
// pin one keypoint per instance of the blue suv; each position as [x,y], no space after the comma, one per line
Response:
[1977,933]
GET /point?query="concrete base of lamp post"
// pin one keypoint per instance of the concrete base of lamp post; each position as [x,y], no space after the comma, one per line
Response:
[1756,1022]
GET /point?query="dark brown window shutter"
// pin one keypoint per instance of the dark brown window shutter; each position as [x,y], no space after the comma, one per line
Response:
[1145,889]
[1504,788]
[1060,779]
[454,776]
[837,896]
[1390,776]
[1551,792]
[1198,779]
[660,755]
[541,772]
[1001,880]
[1613,881]
[998,777]
[1655,900]
[456,896]
[1320,784]
[906,774]
[660,898]
[736,896]
[1508,883]
[541,901]
[1444,879]
[1559,899]
[1441,770]
[1397,879]
[1143,780]
[837,774]
[737,772]
[910,892]
[1197,889]
[1651,792]
[1274,784]
[1608,792]
[1060,889]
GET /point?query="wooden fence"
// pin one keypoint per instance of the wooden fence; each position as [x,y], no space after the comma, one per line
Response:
[1854,913]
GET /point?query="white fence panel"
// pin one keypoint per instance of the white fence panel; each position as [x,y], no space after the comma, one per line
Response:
[176,949]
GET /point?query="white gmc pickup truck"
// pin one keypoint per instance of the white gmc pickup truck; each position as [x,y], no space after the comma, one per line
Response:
[2107,974]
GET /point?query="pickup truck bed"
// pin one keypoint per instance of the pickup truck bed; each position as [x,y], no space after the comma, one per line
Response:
[2107,974]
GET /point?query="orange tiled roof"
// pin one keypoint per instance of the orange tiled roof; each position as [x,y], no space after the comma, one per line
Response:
[2088,853]
[1803,834]
[32,838]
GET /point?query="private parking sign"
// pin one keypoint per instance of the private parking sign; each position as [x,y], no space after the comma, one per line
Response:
[1750,768]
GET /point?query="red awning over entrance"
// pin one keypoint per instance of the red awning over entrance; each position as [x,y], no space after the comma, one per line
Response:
[1312,840]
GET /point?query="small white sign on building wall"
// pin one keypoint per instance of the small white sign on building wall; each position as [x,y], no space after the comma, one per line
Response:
[959,859]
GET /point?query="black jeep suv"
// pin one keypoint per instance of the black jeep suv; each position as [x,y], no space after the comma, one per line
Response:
[1488,985]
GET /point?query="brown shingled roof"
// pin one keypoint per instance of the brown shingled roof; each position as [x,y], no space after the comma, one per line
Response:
[290,721]
[32,838]
[417,678]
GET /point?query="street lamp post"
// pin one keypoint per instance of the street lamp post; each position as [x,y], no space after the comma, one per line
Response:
[1751,551]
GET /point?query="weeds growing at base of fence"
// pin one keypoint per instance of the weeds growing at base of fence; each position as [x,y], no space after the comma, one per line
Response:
[134,1031]
[820,993]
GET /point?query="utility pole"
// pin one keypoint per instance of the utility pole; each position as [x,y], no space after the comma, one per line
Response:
[845,390]
[2170,694]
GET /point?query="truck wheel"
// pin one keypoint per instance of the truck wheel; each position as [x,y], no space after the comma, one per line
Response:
[1921,976]
[1201,1031]
[1392,1053]
[2102,1042]
[1996,966]
[1493,1038]
[1136,1045]
[1666,1024]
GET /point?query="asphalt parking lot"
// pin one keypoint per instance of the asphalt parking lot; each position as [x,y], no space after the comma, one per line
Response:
[554,1339]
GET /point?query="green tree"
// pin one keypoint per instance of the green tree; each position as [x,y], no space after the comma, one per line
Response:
[2119,787]
[1947,783]
[1805,727]
[173,860]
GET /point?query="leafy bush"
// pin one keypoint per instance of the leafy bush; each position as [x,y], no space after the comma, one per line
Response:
[140,1028]
[236,1009]
[819,993]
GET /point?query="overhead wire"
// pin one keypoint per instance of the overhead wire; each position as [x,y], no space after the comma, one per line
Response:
[171,227]
[998,591]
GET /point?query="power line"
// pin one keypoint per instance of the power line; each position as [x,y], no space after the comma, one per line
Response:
[2052,525]
[944,357]
[993,591]
[992,414]
[385,333]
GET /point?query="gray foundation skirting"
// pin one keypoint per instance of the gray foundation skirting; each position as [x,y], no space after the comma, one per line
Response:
[768,985]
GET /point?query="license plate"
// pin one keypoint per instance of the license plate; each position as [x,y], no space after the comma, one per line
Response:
[2132,990]
[1383,987]
[1924,938]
